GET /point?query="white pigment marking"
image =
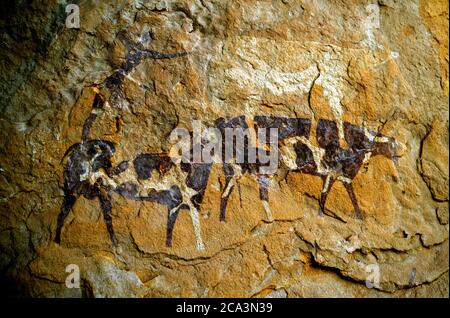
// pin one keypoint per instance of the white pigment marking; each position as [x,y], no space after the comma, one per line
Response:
[277,82]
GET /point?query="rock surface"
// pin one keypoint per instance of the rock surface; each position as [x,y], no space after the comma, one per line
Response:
[382,65]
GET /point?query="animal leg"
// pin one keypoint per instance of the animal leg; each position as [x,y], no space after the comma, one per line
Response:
[69,201]
[351,193]
[327,184]
[196,224]
[240,192]
[121,167]
[263,183]
[171,218]
[105,203]
[229,184]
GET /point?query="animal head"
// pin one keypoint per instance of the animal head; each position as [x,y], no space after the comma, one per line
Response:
[97,153]
[85,158]
[362,139]
[386,146]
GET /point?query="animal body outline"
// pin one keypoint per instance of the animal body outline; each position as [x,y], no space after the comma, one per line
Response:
[89,171]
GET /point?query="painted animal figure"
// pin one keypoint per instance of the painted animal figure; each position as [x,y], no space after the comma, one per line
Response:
[233,171]
[155,177]
[296,152]
[84,160]
[89,170]
[334,163]
[150,177]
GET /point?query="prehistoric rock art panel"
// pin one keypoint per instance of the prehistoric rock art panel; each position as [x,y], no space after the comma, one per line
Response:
[349,198]
[89,171]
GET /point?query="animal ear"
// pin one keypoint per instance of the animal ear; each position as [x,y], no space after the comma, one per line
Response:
[111,146]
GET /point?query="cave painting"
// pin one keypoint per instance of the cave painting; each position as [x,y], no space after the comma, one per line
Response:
[156,177]
[297,153]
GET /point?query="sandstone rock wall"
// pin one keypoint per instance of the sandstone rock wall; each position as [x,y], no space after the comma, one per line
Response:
[380,65]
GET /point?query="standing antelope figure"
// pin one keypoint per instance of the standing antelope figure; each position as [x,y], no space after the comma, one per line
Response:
[152,177]
[113,83]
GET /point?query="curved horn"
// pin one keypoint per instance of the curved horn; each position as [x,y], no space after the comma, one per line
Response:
[69,151]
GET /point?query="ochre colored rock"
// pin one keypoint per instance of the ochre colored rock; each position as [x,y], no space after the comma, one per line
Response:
[380,66]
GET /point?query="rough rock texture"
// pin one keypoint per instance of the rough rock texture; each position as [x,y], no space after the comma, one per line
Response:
[382,65]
